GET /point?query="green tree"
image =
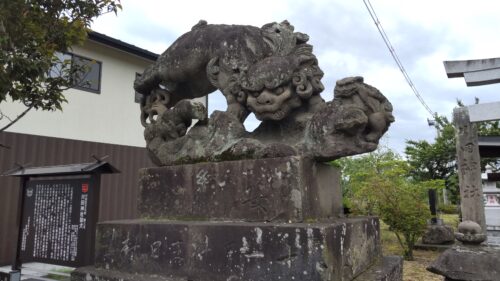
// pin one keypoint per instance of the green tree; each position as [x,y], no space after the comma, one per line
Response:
[356,171]
[379,183]
[32,34]
[491,128]
[437,160]
[403,208]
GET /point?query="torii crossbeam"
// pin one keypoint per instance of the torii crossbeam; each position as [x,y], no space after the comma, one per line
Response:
[475,72]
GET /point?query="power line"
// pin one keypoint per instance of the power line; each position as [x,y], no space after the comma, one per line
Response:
[394,55]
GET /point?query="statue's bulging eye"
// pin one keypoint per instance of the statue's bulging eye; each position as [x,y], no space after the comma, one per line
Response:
[279,90]
[254,94]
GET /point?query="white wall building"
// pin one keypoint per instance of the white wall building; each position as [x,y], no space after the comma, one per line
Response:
[105,111]
[491,203]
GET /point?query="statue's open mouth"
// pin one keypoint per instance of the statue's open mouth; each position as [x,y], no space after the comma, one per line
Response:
[276,115]
[280,114]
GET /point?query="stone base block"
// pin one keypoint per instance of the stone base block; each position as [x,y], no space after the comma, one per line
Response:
[239,251]
[275,189]
[438,234]
[386,269]
[91,273]
[464,263]
[434,247]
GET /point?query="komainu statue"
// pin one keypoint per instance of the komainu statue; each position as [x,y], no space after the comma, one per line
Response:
[269,71]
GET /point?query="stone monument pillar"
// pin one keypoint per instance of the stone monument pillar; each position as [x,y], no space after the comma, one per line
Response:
[471,261]
[231,205]
[437,232]
[469,176]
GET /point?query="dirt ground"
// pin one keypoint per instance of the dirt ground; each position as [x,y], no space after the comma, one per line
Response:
[414,270]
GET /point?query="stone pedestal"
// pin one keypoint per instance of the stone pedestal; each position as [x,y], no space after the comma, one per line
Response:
[249,220]
[285,189]
[437,234]
[464,263]
[240,251]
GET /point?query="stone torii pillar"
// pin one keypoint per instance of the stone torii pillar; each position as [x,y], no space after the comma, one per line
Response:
[475,73]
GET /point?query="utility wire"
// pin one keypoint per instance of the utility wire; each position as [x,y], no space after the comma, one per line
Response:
[394,55]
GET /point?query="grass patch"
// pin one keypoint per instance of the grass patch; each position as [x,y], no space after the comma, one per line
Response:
[414,270]
[451,220]
[57,276]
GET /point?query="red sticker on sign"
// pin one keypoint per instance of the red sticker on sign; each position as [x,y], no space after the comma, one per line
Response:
[85,187]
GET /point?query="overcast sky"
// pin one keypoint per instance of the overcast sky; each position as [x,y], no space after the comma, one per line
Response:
[347,43]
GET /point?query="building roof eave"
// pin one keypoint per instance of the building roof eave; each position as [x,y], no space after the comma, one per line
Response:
[123,46]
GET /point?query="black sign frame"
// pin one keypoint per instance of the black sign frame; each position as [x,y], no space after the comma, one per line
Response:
[59,219]
[79,184]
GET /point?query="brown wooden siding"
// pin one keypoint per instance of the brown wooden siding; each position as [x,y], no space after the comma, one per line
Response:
[118,191]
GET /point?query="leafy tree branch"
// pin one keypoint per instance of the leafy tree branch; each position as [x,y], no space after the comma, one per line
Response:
[32,34]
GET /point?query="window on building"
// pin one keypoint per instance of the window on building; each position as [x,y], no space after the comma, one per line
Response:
[60,67]
[88,80]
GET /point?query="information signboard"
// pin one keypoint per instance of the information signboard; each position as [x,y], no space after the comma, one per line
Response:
[58,223]
[58,211]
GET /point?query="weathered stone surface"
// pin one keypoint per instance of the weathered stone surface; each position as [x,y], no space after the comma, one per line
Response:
[469,169]
[470,232]
[91,273]
[274,189]
[217,251]
[434,247]
[438,234]
[269,71]
[388,268]
[468,263]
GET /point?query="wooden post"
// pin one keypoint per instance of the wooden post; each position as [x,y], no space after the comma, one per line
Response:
[469,168]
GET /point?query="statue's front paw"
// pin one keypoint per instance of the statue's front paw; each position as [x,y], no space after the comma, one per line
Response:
[351,120]
[378,125]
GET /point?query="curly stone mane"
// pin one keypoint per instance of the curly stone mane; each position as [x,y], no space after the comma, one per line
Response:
[300,67]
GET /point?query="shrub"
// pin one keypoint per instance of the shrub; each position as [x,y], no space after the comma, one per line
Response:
[404,210]
[378,184]
[448,208]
